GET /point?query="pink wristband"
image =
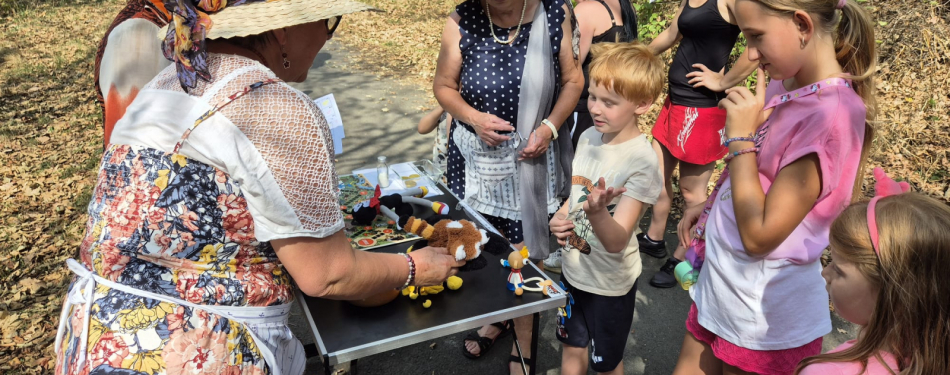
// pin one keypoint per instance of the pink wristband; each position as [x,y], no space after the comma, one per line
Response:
[731,155]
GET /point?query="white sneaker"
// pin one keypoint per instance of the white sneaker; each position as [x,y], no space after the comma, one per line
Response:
[553,262]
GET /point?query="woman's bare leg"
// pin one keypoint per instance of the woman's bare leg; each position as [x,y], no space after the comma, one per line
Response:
[694,179]
[661,210]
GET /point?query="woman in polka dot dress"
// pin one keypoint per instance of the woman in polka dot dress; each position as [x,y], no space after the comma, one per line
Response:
[484,60]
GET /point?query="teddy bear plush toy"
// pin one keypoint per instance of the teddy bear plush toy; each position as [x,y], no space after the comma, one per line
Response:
[463,239]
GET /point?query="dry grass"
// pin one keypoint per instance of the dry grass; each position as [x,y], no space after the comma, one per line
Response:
[50,143]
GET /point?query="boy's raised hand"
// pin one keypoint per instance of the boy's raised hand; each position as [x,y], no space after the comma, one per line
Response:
[599,198]
[561,227]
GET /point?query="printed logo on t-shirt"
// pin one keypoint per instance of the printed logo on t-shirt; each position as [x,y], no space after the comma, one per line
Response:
[583,232]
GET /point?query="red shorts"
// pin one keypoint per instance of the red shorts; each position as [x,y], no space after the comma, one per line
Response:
[765,362]
[692,135]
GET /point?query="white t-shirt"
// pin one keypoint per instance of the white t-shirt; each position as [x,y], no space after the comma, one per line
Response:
[632,165]
[779,301]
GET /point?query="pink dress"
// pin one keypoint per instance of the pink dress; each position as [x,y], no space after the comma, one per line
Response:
[874,367]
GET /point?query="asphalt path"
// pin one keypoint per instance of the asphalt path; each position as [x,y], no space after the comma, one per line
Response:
[380,117]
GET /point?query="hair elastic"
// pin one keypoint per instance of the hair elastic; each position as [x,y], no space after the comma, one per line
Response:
[883,187]
[841,4]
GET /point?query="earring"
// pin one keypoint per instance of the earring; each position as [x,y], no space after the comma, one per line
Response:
[803,47]
[284,55]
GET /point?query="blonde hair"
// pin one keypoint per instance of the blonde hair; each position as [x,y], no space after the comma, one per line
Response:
[912,317]
[855,50]
[629,69]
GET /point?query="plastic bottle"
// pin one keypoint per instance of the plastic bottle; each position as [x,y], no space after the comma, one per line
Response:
[382,172]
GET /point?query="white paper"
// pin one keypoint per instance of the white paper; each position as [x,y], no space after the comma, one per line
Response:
[331,113]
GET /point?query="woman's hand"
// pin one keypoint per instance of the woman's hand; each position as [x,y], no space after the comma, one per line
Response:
[684,230]
[537,143]
[561,228]
[599,198]
[434,265]
[744,111]
[706,78]
[487,127]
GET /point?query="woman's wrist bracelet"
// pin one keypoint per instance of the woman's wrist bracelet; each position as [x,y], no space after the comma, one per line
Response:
[412,271]
[553,128]
[734,139]
[731,155]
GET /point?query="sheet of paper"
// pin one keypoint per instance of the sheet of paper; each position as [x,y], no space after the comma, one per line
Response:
[338,136]
[331,112]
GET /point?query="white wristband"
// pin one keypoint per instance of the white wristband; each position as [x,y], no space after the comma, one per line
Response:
[550,125]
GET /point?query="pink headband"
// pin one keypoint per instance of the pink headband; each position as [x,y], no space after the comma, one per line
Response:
[883,187]
[841,4]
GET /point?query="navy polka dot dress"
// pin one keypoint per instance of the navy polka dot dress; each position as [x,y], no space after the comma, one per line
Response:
[490,81]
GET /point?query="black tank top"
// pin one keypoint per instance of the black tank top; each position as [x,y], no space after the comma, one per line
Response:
[707,39]
[613,34]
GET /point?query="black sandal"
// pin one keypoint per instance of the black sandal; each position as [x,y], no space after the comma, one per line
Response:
[485,343]
[527,362]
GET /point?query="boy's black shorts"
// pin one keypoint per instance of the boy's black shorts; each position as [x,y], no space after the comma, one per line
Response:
[602,322]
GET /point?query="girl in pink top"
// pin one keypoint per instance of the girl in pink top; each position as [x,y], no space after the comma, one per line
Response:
[888,275]
[795,151]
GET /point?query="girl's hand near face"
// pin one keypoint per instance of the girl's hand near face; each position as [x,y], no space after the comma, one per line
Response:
[744,111]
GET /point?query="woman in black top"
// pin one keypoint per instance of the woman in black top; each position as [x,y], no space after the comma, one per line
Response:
[689,129]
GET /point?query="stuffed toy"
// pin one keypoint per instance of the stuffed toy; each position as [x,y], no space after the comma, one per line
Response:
[394,206]
[463,239]
[413,292]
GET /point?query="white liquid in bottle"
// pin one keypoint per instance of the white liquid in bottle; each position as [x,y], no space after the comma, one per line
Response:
[382,172]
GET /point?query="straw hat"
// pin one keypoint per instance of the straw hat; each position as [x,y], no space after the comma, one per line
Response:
[254,18]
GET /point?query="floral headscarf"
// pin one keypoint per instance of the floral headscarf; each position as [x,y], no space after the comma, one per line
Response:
[184,43]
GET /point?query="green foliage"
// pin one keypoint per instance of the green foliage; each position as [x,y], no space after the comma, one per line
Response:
[652,19]
[737,51]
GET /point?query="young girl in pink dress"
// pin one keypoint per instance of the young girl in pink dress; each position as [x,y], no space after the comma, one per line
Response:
[888,275]
[796,149]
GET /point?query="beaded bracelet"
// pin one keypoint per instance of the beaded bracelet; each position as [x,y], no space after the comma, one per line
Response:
[731,155]
[745,139]
[412,271]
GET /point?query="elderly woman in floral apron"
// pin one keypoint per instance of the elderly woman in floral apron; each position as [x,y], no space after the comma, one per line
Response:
[508,73]
[217,187]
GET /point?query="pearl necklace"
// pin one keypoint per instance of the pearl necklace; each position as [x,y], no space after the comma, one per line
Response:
[491,25]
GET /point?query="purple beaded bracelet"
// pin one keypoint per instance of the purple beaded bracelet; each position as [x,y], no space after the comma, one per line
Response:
[412,271]
[730,140]
[731,155]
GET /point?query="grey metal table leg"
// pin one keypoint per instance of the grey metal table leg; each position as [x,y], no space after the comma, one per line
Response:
[535,323]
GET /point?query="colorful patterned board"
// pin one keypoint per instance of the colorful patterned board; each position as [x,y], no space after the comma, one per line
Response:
[355,189]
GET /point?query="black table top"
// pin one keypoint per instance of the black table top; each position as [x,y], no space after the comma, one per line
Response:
[345,332]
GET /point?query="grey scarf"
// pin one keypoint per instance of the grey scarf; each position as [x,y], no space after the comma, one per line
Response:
[535,102]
